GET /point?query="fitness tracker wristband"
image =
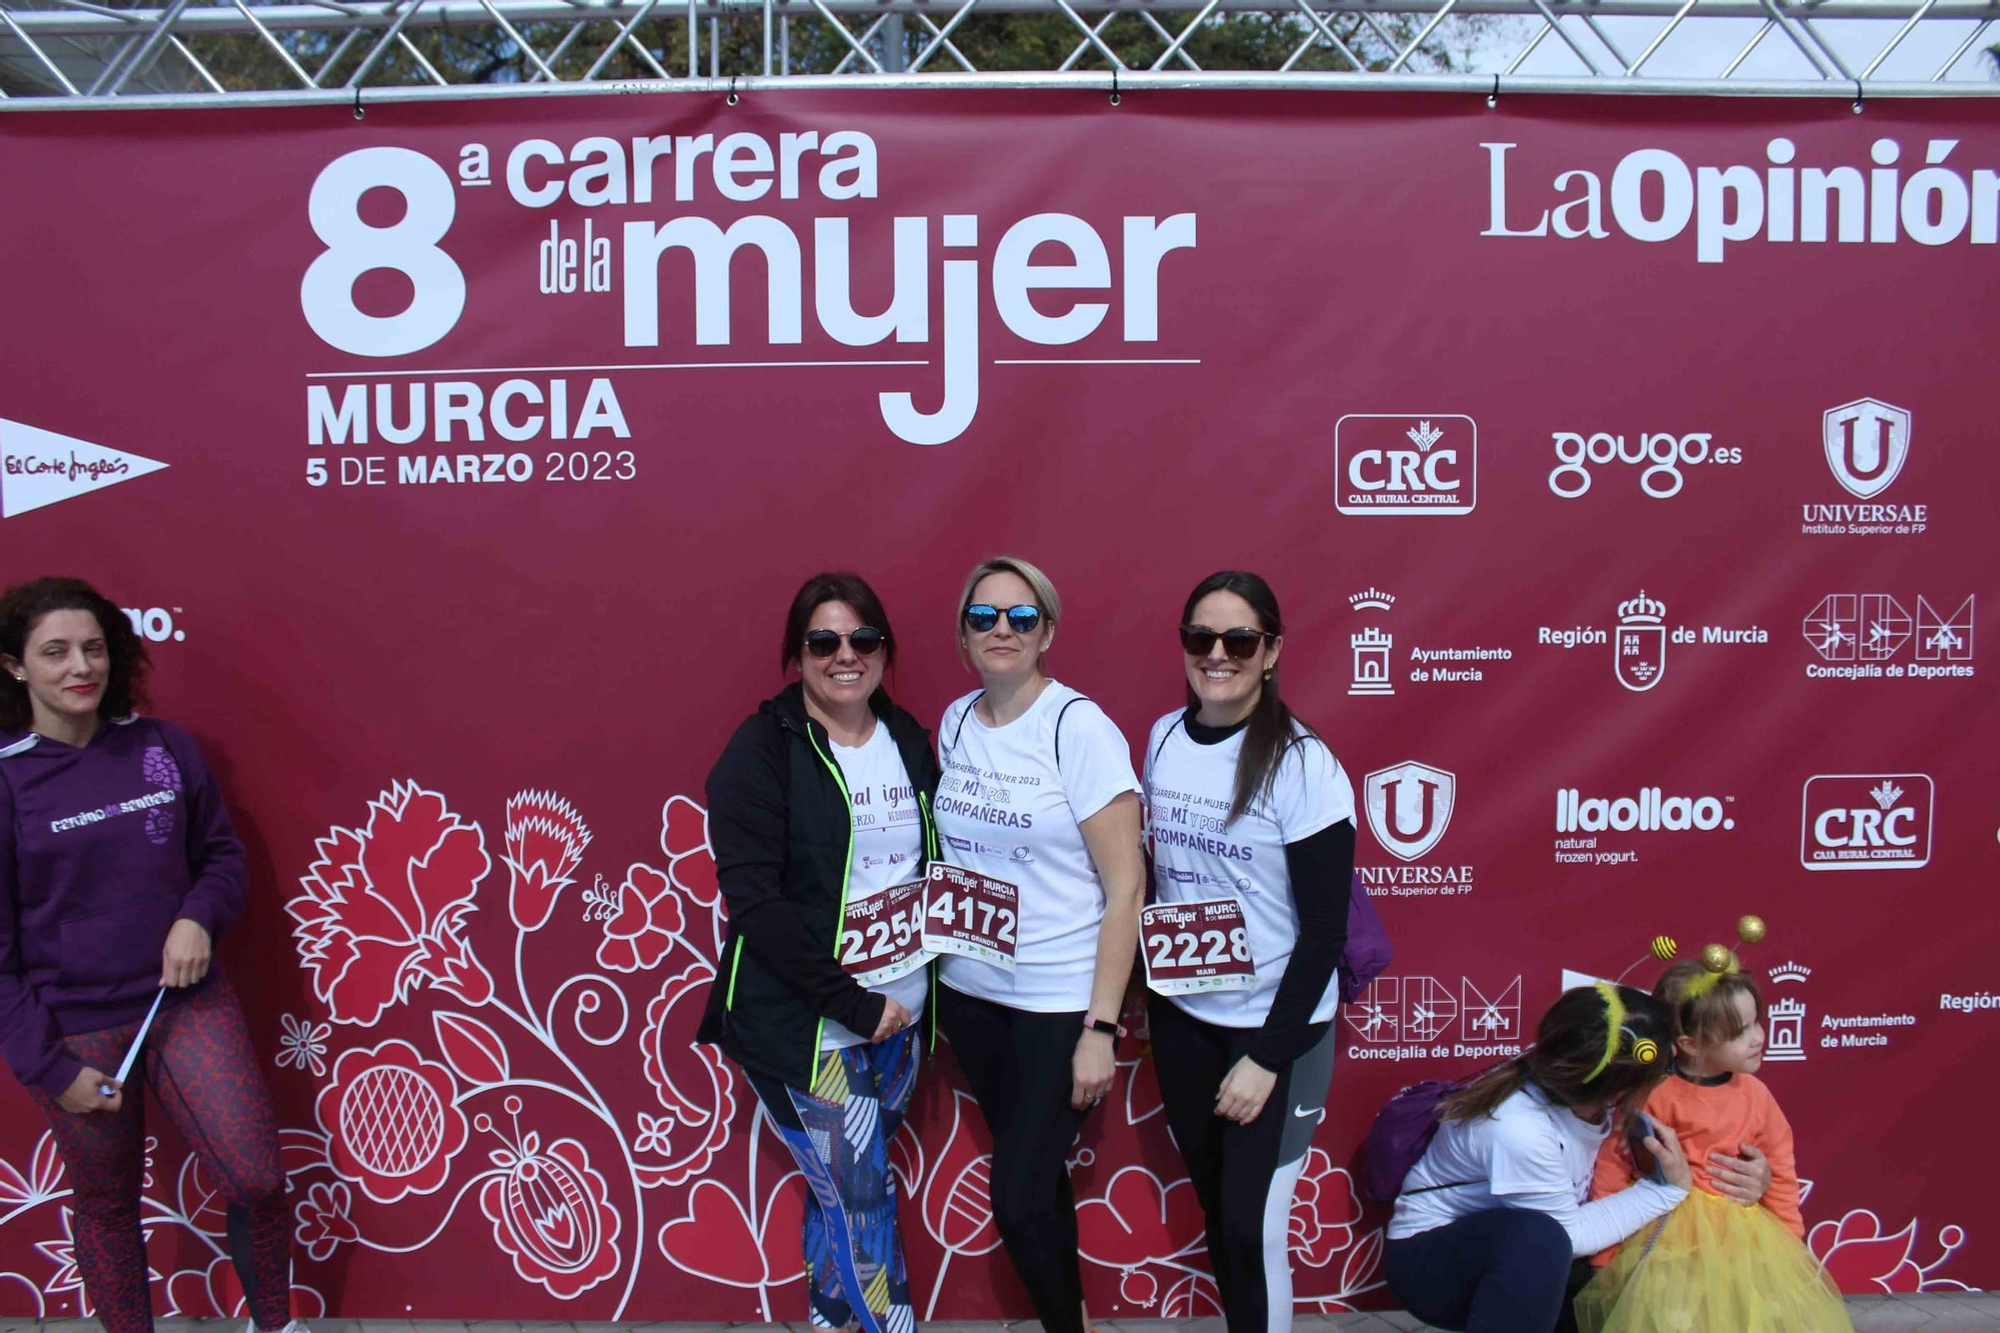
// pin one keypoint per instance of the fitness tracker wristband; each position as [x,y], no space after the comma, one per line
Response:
[1109,1029]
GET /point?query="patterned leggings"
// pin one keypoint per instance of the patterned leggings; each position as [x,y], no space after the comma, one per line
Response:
[839,1133]
[199,1062]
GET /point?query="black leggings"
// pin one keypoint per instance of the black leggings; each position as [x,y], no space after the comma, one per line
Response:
[1244,1175]
[1506,1270]
[1018,1066]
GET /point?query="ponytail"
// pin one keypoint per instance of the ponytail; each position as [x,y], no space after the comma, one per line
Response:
[1484,1094]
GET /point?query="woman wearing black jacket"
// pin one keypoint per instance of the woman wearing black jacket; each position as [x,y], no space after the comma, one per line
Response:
[819,817]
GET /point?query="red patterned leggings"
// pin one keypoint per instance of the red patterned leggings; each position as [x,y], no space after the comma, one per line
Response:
[200,1065]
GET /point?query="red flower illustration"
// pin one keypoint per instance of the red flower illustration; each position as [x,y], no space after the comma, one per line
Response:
[1142,1090]
[1139,1287]
[694,1084]
[958,1201]
[45,1170]
[217,1293]
[1861,1259]
[323,1221]
[1193,1297]
[384,907]
[391,1124]
[62,1253]
[1138,1220]
[684,839]
[1324,1212]
[691,862]
[545,842]
[551,1211]
[643,930]
[716,1239]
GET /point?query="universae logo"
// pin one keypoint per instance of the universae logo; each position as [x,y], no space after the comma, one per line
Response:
[1409,807]
[1866,441]
[1866,821]
[1406,464]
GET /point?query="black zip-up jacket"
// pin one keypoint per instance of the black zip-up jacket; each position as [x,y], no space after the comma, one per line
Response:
[783,835]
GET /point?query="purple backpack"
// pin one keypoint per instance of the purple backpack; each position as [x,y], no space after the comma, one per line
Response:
[1403,1129]
[1367,953]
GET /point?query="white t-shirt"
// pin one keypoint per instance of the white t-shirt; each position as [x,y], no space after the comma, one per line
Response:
[888,849]
[1198,855]
[1530,1153]
[1008,809]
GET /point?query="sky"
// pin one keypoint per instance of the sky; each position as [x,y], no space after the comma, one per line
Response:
[1703,47]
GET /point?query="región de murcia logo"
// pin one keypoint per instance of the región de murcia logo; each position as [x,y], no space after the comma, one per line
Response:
[1640,639]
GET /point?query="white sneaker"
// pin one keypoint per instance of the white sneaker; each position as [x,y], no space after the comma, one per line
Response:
[296,1326]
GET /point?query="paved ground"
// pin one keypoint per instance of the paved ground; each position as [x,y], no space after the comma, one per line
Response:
[1946,1312]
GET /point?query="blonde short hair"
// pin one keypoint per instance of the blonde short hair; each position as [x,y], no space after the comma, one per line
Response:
[1038,584]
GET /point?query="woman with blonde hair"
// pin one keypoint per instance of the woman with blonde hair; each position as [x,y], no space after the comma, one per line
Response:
[1040,804]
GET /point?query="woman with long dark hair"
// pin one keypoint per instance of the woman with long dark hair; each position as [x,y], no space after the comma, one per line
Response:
[119,871]
[819,814]
[1491,1219]
[1253,829]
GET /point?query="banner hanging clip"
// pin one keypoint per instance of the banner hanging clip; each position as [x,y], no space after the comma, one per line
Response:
[1857,97]
[359,114]
[1493,98]
[732,99]
[1114,85]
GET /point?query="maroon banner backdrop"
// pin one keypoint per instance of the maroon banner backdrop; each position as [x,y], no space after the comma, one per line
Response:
[1623,465]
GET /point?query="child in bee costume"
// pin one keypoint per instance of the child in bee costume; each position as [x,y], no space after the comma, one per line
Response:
[1712,1264]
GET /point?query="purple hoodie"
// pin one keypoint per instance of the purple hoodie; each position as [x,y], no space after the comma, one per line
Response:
[102,849]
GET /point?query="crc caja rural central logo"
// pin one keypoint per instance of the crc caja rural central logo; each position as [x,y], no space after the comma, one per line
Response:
[1388,464]
[1866,821]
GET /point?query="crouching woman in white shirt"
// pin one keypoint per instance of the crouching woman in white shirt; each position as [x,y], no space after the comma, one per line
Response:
[1491,1217]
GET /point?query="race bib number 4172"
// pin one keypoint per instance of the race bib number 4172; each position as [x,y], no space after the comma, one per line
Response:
[972,915]
[1190,947]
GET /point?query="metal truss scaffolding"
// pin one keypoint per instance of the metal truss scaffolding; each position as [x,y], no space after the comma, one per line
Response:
[81,53]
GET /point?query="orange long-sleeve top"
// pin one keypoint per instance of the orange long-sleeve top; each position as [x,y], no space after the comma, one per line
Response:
[1722,1118]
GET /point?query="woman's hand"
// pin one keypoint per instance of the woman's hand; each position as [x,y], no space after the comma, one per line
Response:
[1665,1145]
[82,1096]
[894,1019]
[185,959]
[1742,1178]
[1091,1069]
[1244,1091]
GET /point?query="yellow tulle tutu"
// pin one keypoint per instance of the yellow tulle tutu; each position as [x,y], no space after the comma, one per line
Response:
[1717,1267]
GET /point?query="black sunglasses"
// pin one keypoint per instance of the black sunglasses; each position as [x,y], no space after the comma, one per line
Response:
[1238,643]
[980,617]
[824,643]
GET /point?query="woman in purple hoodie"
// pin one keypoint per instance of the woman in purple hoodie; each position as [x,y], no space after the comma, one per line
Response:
[118,871]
